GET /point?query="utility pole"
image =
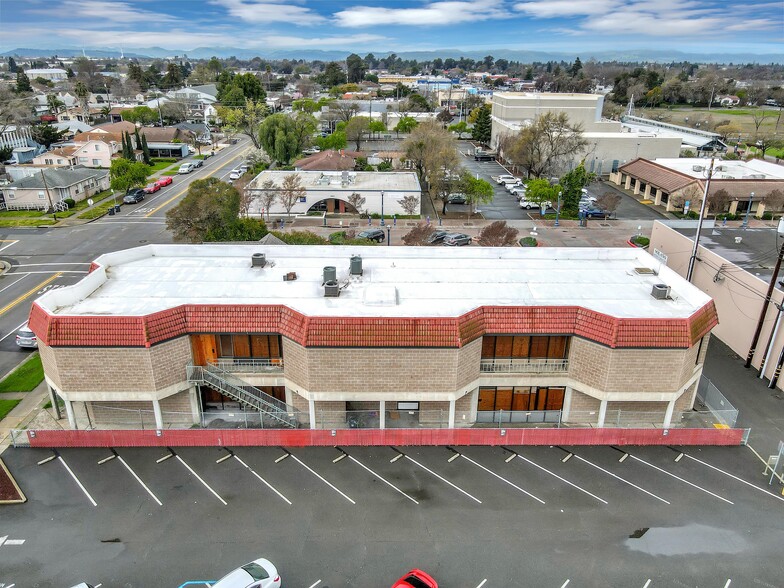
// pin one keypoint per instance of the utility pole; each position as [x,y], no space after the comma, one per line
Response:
[48,195]
[765,304]
[693,257]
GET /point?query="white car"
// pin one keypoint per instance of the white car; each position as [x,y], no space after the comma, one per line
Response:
[503,179]
[186,168]
[518,191]
[512,185]
[235,174]
[527,204]
[312,150]
[260,573]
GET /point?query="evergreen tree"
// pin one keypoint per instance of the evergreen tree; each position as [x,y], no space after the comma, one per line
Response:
[124,147]
[146,151]
[23,82]
[70,73]
[12,67]
[483,125]
[136,136]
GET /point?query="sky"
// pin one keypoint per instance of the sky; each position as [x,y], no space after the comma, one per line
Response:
[579,26]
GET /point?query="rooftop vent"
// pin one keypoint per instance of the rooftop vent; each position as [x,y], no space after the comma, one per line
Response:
[331,289]
[330,274]
[290,276]
[356,265]
[644,271]
[660,291]
[258,260]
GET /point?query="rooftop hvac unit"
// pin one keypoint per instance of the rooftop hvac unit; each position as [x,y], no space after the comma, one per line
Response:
[330,274]
[660,291]
[331,289]
[258,260]
[356,265]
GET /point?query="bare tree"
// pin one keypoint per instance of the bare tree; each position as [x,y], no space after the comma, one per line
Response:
[774,200]
[357,201]
[719,201]
[608,201]
[291,192]
[418,235]
[267,196]
[410,204]
[497,234]
[344,111]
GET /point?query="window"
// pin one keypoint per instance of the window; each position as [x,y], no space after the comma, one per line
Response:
[520,398]
[525,347]
[41,196]
[83,160]
[250,346]
[97,147]
[96,162]
[50,162]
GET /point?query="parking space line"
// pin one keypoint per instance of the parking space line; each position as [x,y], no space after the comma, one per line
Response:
[572,484]
[734,477]
[10,243]
[252,471]
[482,583]
[138,479]
[681,479]
[458,488]
[565,584]
[86,493]
[727,585]
[617,477]
[207,486]
[648,583]
[300,462]
[390,484]
[316,583]
[515,486]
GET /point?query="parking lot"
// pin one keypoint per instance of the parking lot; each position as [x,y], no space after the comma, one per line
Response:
[363,516]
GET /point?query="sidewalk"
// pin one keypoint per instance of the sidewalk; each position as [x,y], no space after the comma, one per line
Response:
[25,413]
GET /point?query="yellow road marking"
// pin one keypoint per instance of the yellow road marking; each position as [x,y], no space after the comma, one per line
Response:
[10,305]
[181,192]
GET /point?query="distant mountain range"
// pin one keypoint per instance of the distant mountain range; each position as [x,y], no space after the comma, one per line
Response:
[524,56]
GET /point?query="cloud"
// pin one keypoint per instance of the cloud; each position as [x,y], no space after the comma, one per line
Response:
[564,8]
[265,11]
[171,39]
[340,41]
[432,14]
[101,11]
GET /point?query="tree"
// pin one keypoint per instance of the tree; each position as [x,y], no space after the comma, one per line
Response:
[291,192]
[6,153]
[541,191]
[124,174]
[127,151]
[356,127]
[377,127]
[483,125]
[608,202]
[433,151]
[83,94]
[406,124]
[210,212]
[542,147]
[12,67]
[136,74]
[497,234]
[719,201]
[22,83]
[410,204]
[344,111]
[173,76]
[357,201]
[146,151]
[419,235]
[173,112]
[143,115]
[54,104]
[572,184]
[774,200]
[355,68]
[333,75]
[247,120]
[267,196]
[476,190]
[458,128]
[444,117]
[45,134]
[279,137]
[417,103]
[336,140]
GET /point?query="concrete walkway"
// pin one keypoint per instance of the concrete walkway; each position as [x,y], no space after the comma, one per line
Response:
[23,413]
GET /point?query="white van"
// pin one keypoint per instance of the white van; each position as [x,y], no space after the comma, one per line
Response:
[186,168]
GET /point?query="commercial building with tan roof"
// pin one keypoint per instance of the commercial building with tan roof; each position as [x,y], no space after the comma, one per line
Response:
[328,337]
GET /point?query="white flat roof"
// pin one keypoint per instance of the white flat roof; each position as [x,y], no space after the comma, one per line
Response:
[332,180]
[735,169]
[397,281]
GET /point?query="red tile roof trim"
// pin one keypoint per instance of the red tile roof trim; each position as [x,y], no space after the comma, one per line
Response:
[121,331]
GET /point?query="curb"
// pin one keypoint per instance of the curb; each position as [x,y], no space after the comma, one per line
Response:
[4,472]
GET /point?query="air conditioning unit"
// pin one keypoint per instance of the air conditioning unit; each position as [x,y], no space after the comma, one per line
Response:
[331,289]
[258,260]
[660,291]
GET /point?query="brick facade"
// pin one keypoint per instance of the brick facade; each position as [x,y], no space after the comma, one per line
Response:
[176,410]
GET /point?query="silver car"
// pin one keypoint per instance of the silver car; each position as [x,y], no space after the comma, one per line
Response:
[26,338]
[260,573]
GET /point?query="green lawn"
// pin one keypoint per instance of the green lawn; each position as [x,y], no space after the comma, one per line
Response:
[6,406]
[100,209]
[25,377]
[161,164]
[170,173]
[82,204]
[774,152]
[17,213]
[26,222]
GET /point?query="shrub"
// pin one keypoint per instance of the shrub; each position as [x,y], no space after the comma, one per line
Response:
[640,241]
[70,202]
[767,216]
[694,215]
[384,166]
[342,237]
[727,216]
[528,242]
[300,238]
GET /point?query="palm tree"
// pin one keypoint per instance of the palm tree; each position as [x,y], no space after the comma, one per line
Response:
[54,104]
[83,94]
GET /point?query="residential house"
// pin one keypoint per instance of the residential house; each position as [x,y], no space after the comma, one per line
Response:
[43,189]
[64,156]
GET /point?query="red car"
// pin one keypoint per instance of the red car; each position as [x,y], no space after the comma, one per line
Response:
[164,181]
[416,579]
[150,188]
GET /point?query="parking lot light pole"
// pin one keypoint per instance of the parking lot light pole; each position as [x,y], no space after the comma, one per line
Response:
[382,208]
[558,209]
[389,236]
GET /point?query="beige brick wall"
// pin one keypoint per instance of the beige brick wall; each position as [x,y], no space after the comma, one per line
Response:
[630,370]
[644,414]
[581,407]
[169,361]
[330,413]
[175,409]
[468,360]
[434,413]
[295,361]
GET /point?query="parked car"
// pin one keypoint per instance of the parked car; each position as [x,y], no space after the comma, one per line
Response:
[150,188]
[513,185]
[504,178]
[518,192]
[185,168]
[527,204]
[457,239]
[244,168]
[376,235]
[197,163]
[191,150]
[164,181]
[312,150]
[208,154]
[456,199]
[593,212]
[416,579]
[134,196]
[235,174]
[26,338]
[260,573]
[437,236]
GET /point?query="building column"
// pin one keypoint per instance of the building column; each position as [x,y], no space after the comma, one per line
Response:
[602,413]
[53,400]
[733,207]
[627,184]
[156,408]
[70,412]
[647,195]
[193,394]
[312,412]
[452,414]
[668,414]
[760,210]
[382,414]
[567,405]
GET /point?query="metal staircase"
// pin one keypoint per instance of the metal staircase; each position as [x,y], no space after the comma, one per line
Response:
[230,385]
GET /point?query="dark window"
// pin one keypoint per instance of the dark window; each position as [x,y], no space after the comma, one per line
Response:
[520,398]
[699,352]
[249,346]
[525,347]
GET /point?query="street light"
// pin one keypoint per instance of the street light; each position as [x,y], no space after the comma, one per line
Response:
[389,236]
[558,210]
[709,175]
[382,208]
[745,224]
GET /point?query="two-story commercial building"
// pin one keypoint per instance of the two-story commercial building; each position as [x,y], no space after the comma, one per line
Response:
[312,336]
